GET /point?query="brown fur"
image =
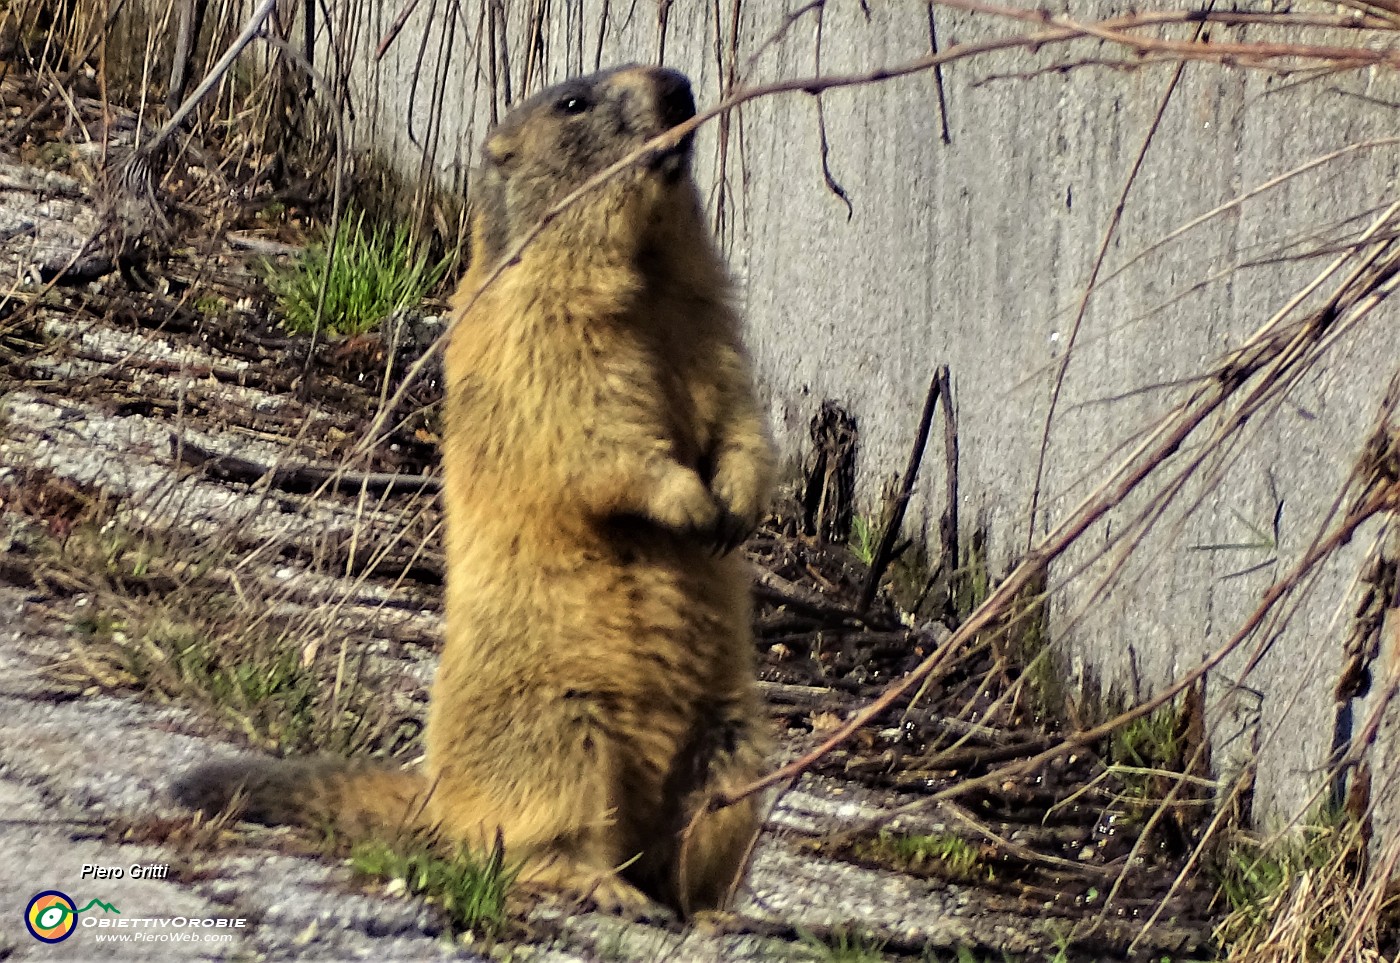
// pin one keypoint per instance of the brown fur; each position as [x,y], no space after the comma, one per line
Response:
[603,448]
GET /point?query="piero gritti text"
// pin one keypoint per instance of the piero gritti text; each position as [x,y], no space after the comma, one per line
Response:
[134,871]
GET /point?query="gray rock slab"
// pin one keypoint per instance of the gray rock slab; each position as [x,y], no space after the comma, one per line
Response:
[48,227]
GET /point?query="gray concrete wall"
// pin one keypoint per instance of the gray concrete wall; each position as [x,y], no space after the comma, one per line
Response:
[974,253]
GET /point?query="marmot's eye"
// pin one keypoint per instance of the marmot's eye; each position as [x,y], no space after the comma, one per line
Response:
[571,105]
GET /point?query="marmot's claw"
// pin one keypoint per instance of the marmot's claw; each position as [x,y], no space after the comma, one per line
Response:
[730,532]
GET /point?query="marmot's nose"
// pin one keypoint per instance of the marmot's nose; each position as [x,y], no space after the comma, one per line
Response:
[673,95]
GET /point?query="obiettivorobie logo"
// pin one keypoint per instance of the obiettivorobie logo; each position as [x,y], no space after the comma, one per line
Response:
[52,916]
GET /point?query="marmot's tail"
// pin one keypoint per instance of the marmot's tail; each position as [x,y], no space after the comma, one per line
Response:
[338,794]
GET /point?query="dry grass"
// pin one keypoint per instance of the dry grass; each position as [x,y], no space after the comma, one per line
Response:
[169,614]
[1307,894]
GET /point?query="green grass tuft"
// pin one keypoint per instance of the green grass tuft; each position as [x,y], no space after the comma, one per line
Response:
[949,856]
[1150,742]
[864,540]
[1307,894]
[1297,891]
[259,685]
[370,273]
[164,618]
[844,945]
[471,889]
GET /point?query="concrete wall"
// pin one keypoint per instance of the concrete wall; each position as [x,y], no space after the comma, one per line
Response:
[974,253]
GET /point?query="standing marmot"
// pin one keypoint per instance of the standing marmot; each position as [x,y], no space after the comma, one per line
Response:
[603,448]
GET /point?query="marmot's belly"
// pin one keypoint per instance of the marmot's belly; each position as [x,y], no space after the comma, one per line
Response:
[629,642]
[605,627]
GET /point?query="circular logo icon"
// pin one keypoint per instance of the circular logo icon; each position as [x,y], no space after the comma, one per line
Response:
[51,916]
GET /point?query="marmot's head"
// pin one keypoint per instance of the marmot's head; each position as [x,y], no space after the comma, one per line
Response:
[558,139]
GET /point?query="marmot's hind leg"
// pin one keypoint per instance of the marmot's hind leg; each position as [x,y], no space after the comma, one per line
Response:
[715,844]
[556,806]
[571,870]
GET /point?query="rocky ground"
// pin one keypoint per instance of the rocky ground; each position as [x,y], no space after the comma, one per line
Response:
[167,450]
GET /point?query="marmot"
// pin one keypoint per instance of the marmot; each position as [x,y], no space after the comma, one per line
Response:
[603,450]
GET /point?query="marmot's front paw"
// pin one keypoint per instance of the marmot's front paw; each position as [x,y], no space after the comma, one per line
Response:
[683,503]
[736,488]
